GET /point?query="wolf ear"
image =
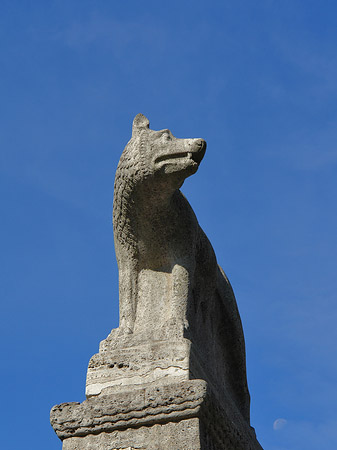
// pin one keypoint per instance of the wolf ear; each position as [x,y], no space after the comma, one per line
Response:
[140,123]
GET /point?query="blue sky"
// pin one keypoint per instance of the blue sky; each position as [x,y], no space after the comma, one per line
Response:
[257,81]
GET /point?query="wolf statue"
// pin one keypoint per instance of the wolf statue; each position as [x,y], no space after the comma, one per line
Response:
[172,376]
[169,281]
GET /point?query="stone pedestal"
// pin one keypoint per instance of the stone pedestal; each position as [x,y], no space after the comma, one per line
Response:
[177,416]
[144,397]
[137,364]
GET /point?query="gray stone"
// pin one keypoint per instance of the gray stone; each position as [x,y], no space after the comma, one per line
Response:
[170,284]
[118,369]
[181,435]
[177,416]
[173,375]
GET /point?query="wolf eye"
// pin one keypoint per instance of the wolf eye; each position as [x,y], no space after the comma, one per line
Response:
[167,136]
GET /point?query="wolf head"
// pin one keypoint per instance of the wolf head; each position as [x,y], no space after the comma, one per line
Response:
[161,155]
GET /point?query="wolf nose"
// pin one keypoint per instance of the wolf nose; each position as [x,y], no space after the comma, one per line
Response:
[201,143]
[198,152]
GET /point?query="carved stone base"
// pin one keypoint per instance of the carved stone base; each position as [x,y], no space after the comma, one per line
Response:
[178,416]
[138,364]
[173,435]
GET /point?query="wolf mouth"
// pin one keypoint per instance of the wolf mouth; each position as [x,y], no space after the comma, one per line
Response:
[190,155]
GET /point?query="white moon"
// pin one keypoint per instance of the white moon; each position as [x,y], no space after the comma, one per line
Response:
[279,424]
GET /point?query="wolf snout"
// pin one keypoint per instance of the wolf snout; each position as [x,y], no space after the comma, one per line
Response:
[198,148]
[200,142]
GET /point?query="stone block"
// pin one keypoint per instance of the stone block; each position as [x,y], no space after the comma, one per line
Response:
[120,368]
[177,416]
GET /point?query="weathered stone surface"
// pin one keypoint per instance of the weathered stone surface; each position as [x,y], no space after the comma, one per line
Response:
[135,408]
[183,435]
[136,417]
[120,368]
[173,375]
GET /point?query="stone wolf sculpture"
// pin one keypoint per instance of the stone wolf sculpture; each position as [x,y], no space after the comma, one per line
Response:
[170,285]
